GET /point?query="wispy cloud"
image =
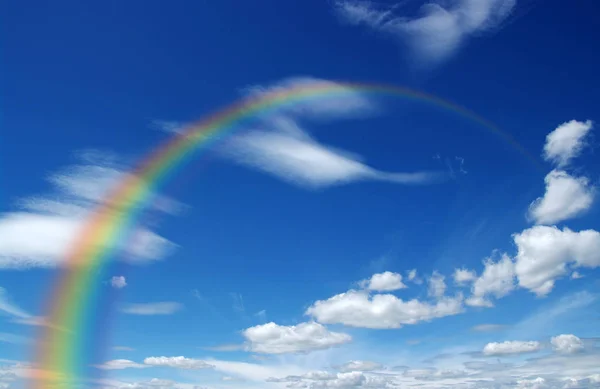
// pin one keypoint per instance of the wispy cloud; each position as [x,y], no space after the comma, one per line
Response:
[41,232]
[488,327]
[14,339]
[352,103]
[301,160]
[438,32]
[161,308]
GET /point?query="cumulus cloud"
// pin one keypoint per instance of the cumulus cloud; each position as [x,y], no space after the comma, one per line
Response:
[567,343]
[511,347]
[497,279]
[464,276]
[566,197]
[178,363]
[118,282]
[384,282]
[161,308]
[544,254]
[440,30]
[566,142]
[271,338]
[43,230]
[359,309]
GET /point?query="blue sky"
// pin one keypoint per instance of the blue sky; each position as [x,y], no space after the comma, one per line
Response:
[287,256]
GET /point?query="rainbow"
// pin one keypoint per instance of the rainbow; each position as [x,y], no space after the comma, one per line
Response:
[60,353]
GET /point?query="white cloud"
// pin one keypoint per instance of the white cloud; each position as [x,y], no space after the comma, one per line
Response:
[303,161]
[412,276]
[359,309]
[511,347]
[7,307]
[344,380]
[545,252]
[178,362]
[359,366]
[464,276]
[118,282]
[271,338]
[119,364]
[350,103]
[384,282]
[566,197]
[437,285]
[438,32]
[280,147]
[536,383]
[41,234]
[12,338]
[161,308]
[488,327]
[566,142]
[576,275]
[122,348]
[567,343]
[497,279]
[254,371]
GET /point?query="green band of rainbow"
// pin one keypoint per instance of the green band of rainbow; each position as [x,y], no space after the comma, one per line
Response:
[59,355]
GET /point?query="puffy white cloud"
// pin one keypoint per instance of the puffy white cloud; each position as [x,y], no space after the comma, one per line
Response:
[118,282]
[359,366]
[161,308]
[497,279]
[437,285]
[178,362]
[566,197]
[42,233]
[271,338]
[566,142]
[511,347]
[567,343]
[359,309]
[544,253]
[438,32]
[464,276]
[384,282]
